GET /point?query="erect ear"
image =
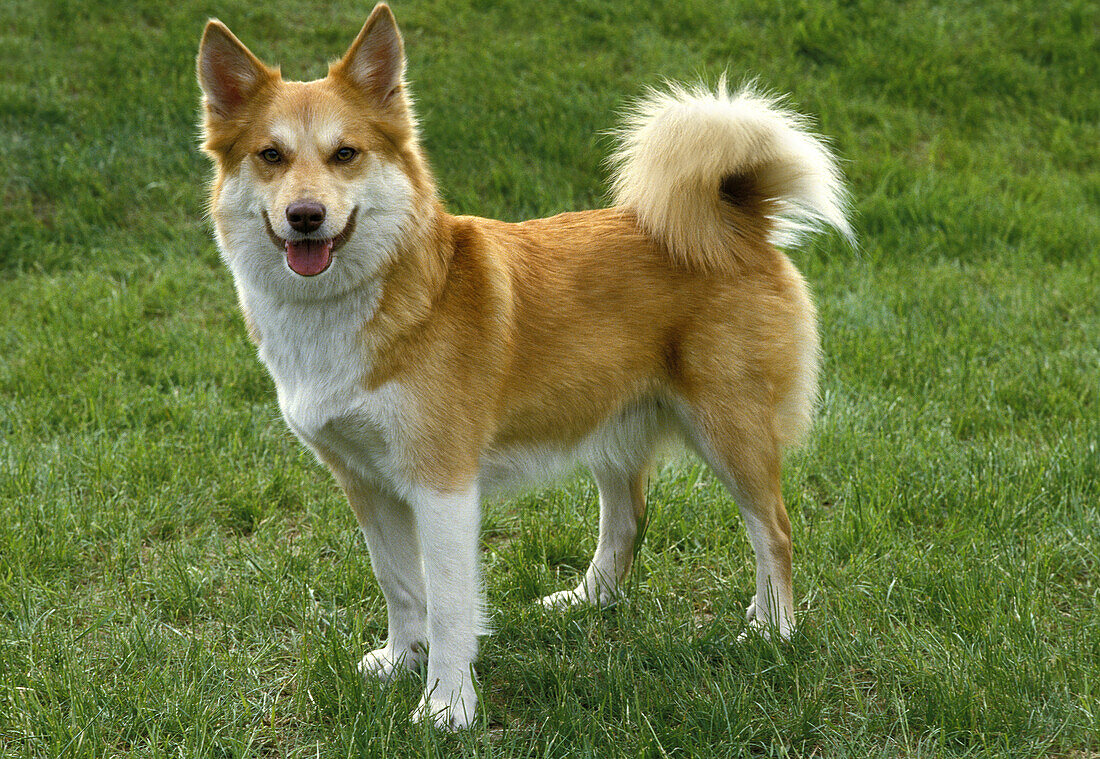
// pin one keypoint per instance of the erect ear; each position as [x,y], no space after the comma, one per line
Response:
[228,73]
[375,62]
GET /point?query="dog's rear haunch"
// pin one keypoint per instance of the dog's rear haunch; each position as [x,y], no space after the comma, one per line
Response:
[425,357]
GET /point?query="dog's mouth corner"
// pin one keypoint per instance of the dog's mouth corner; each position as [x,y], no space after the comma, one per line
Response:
[310,256]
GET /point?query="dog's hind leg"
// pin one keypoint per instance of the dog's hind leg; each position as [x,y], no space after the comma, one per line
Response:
[741,446]
[622,514]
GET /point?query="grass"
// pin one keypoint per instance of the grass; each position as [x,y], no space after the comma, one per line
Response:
[179,578]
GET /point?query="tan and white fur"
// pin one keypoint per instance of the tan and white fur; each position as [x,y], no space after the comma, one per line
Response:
[425,357]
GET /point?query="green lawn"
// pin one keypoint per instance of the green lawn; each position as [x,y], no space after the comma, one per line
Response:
[178,577]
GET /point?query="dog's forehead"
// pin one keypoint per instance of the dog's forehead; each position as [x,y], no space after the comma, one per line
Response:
[305,115]
[297,131]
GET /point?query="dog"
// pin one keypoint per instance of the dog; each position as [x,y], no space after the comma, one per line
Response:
[425,358]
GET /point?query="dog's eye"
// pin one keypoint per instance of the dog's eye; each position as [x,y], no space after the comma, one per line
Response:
[271,155]
[345,154]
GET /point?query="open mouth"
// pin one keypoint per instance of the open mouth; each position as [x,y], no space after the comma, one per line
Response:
[310,256]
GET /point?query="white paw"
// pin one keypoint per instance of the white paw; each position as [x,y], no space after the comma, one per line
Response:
[385,663]
[762,628]
[579,596]
[448,715]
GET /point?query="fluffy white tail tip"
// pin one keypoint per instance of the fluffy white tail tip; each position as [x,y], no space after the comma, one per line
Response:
[680,147]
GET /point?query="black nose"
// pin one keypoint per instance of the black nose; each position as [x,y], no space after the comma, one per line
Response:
[305,215]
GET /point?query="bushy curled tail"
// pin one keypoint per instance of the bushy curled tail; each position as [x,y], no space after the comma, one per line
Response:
[705,170]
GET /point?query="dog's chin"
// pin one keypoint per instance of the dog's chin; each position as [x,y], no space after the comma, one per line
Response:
[310,256]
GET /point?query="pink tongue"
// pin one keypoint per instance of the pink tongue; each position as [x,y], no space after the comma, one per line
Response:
[308,257]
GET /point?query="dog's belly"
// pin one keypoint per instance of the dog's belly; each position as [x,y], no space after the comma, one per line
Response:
[624,439]
[516,467]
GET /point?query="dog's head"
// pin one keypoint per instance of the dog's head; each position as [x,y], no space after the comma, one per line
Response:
[318,183]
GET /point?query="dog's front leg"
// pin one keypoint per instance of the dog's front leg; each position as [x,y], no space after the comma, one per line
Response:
[448,525]
[389,526]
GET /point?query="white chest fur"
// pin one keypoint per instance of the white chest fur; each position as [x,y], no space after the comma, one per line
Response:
[315,353]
